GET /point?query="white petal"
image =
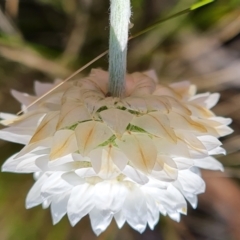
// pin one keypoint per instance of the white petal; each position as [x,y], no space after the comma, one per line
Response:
[28,166]
[29,120]
[209,142]
[71,113]
[184,88]
[173,150]
[174,216]
[192,141]
[175,105]
[80,203]
[85,172]
[64,143]
[119,158]
[154,103]
[99,220]
[60,161]
[196,153]
[140,84]
[59,206]
[171,199]
[183,163]
[184,122]
[153,213]
[46,202]
[90,134]
[120,219]
[116,119]
[135,209]
[43,144]
[168,174]
[193,200]
[102,162]
[157,124]
[72,178]
[212,100]
[46,128]
[34,197]
[41,88]
[140,151]
[222,120]
[54,185]
[16,135]
[23,98]
[136,104]
[42,162]
[217,150]
[224,130]
[7,116]
[152,74]
[10,164]
[110,196]
[135,175]
[209,163]
[166,91]
[191,182]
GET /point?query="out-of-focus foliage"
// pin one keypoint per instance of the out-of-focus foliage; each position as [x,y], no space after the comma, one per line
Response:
[48,39]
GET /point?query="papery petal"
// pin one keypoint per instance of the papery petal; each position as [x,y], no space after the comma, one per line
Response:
[135,214]
[212,100]
[34,195]
[64,143]
[90,134]
[157,124]
[80,203]
[100,220]
[184,122]
[59,206]
[184,88]
[140,151]
[168,148]
[174,216]
[209,142]
[16,135]
[135,175]
[46,128]
[54,185]
[11,163]
[43,144]
[152,213]
[139,84]
[191,182]
[120,219]
[71,113]
[116,119]
[29,165]
[222,120]
[183,163]
[103,164]
[110,196]
[23,98]
[72,178]
[217,150]
[208,163]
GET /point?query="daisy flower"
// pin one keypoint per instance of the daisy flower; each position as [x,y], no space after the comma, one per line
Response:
[129,159]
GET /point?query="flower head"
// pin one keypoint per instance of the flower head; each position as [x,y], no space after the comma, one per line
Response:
[126,159]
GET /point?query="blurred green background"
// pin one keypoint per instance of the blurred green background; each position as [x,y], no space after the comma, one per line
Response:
[48,39]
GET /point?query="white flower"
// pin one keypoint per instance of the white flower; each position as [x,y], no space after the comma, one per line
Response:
[126,159]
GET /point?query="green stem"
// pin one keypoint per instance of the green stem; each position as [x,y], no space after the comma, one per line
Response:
[119,22]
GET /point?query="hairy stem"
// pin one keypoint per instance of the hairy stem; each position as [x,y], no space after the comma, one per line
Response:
[119,22]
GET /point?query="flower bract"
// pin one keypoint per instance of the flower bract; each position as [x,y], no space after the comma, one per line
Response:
[127,159]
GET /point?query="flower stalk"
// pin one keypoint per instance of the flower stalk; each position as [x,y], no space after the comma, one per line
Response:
[119,22]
